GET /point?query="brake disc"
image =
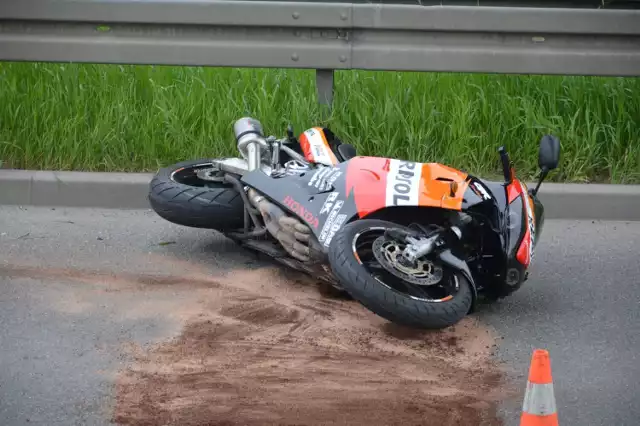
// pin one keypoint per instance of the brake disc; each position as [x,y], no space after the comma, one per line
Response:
[421,272]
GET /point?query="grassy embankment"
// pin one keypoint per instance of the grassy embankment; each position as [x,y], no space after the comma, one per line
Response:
[136,118]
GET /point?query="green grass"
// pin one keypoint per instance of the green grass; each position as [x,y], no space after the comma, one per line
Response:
[137,118]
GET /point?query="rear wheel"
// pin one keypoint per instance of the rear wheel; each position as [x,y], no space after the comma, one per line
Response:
[426,294]
[191,194]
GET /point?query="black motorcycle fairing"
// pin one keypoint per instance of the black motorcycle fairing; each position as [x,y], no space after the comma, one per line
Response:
[488,200]
[500,211]
[502,232]
[317,196]
[477,192]
[503,273]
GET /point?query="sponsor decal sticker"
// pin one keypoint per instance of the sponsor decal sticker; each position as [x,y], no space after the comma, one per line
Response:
[324,178]
[332,178]
[326,207]
[337,224]
[482,192]
[319,151]
[301,211]
[317,176]
[330,221]
[532,228]
[403,183]
[526,250]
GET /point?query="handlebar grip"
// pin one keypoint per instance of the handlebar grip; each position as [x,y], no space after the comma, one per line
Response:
[506,164]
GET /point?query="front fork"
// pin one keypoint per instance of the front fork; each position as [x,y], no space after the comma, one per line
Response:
[418,245]
[440,242]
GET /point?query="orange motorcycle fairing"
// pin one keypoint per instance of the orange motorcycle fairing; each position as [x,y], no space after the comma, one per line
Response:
[376,183]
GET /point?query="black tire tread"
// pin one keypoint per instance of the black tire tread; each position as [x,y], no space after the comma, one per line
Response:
[385,302]
[217,207]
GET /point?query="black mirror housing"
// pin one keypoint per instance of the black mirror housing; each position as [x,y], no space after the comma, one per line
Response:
[548,158]
[549,152]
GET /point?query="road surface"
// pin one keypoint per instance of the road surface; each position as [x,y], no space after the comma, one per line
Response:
[97,314]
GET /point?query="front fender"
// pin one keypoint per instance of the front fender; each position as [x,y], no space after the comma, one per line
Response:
[451,260]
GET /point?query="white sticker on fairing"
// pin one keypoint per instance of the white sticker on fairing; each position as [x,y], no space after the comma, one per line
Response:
[329,202]
[532,227]
[329,223]
[403,183]
[335,228]
[317,178]
[479,187]
[324,178]
[319,151]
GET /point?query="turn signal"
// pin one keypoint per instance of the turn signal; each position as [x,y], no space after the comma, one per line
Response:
[454,188]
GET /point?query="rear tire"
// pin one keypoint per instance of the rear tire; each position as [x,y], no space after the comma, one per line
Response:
[396,306]
[179,196]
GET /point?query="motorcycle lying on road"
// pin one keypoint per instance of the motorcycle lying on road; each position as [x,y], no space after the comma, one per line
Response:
[413,242]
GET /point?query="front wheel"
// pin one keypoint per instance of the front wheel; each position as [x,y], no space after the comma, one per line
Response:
[427,295]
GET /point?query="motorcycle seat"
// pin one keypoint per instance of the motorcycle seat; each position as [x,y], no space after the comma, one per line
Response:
[346,152]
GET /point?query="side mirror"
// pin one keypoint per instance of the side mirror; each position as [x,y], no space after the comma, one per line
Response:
[548,158]
[549,152]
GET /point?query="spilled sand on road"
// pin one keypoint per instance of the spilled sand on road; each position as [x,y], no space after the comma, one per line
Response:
[266,347]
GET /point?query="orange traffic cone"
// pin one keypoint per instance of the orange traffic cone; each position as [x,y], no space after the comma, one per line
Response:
[539,406]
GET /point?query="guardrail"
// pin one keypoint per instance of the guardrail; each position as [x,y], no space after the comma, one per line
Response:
[324,36]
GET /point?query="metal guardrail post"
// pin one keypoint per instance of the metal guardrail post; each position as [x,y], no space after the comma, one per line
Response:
[324,85]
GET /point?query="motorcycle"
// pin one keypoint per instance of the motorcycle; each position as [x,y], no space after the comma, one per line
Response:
[415,243]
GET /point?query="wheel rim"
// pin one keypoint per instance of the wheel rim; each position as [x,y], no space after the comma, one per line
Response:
[362,248]
[199,175]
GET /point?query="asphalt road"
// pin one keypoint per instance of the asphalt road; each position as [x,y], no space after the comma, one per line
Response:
[61,341]
[582,305]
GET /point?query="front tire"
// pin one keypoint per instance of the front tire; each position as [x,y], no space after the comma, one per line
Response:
[178,195]
[419,306]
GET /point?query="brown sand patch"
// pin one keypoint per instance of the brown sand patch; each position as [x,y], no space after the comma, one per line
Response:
[265,347]
[266,350]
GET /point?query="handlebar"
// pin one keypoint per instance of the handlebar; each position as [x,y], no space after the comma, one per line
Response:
[506,165]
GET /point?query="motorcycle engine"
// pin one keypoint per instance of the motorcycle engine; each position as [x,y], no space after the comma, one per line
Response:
[294,236]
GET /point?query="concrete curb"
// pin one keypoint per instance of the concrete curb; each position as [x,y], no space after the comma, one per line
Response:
[590,201]
[129,191]
[74,189]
